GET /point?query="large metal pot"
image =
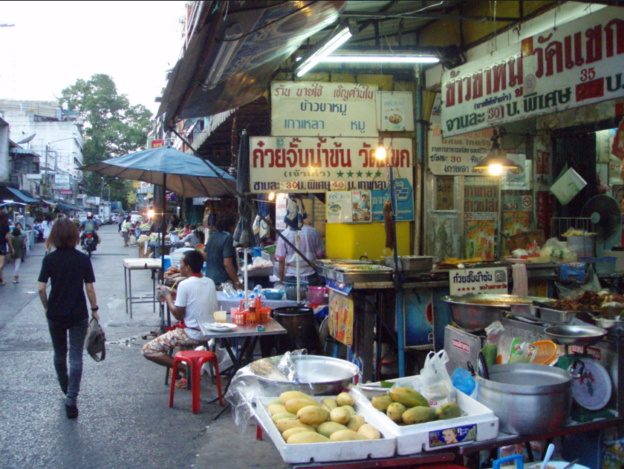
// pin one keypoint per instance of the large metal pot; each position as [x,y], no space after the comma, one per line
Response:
[322,375]
[528,399]
[302,332]
[475,312]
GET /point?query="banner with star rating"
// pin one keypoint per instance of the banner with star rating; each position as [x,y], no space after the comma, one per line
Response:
[317,164]
[473,281]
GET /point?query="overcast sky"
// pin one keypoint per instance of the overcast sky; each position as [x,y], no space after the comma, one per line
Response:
[54,43]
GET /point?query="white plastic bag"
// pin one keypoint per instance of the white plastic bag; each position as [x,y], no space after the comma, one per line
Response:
[434,371]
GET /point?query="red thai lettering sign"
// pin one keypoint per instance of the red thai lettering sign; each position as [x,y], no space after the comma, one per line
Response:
[572,65]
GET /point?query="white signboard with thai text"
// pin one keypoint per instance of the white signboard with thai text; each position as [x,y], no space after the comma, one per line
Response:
[311,109]
[62,181]
[307,164]
[572,65]
[473,281]
[457,156]
[396,111]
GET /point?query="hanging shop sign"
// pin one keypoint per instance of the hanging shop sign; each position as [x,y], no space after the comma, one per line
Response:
[396,111]
[481,194]
[62,181]
[310,109]
[472,281]
[457,156]
[572,65]
[308,164]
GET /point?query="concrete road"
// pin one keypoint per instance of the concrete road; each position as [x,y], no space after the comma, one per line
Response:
[125,420]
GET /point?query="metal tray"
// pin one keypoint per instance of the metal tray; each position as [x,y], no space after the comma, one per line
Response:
[361,277]
[555,316]
[412,264]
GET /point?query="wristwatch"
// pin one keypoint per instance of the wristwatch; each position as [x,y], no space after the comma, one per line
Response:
[95,309]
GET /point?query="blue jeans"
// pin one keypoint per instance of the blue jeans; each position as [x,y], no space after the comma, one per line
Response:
[70,384]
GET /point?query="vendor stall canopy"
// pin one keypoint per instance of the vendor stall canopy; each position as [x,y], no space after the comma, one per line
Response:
[234,49]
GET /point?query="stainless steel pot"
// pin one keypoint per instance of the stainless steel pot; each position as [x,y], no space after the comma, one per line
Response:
[322,375]
[528,399]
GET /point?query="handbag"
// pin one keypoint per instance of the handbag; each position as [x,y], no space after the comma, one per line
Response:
[96,341]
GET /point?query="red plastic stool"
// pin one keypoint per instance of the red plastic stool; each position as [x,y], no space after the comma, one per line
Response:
[195,359]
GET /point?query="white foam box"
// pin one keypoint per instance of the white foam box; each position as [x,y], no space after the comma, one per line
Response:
[324,452]
[477,424]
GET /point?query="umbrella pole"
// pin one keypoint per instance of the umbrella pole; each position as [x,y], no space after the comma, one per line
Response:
[163,228]
[298,267]
[245,273]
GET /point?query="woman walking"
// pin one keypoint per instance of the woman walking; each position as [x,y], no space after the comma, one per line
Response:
[66,308]
[19,248]
[5,243]
[125,230]
[46,224]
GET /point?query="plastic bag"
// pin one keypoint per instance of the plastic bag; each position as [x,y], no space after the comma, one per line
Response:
[577,289]
[521,352]
[613,457]
[435,371]
[555,250]
[463,381]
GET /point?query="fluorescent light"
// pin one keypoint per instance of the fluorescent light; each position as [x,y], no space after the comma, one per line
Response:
[330,46]
[402,59]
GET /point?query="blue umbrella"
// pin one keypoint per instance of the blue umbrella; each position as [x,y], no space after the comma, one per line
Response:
[178,172]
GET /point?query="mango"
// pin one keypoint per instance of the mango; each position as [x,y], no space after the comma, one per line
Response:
[288,395]
[290,432]
[329,403]
[356,422]
[294,405]
[418,415]
[350,409]
[382,402]
[276,409]
[347,435]
[395,411]
[326,408]
[312,415]
[408,397]
[340,415]
[276,401]
[327,428]
[344,398]
[306,437]
[448,410]
[286,424]
[370,432]
[283,415]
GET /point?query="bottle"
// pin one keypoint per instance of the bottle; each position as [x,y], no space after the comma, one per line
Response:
[436,393]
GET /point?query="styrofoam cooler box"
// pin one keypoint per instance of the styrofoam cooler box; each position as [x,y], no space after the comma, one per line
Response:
[461,347]
[324,452]
[478,424]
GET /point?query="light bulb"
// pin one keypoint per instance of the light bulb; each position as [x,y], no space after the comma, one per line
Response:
[272,196]
[380,154]
[495,169]
[150,213]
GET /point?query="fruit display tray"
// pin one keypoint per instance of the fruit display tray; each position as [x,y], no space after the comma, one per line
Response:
[478,424]
[325,452]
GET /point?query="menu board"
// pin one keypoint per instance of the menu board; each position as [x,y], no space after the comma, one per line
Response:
[349,207]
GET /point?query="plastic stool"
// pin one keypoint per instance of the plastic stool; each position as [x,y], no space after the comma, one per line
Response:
[195,359]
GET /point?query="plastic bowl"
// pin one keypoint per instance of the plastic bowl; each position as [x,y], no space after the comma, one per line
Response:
[270,294]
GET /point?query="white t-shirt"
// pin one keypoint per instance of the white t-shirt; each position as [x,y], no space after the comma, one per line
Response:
[199,296]
[47,227]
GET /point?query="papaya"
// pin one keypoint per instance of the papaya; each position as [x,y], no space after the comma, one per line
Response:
[408,397]
[347,435]
[369,432]
[340,415]
[312,415]
[294,405]
[283,415]
[327,428]
[276,409]
[306,437]
[356,422]
[286,424]
[288,395]
[395,411]
[382,402]
[418,415]
[290,432]
[329,403]
[344,398]
[448,410]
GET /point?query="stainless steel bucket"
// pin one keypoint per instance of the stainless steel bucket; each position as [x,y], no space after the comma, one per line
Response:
[528,399]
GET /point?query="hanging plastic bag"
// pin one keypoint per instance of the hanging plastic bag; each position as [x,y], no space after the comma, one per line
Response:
[437,386]
[256,225]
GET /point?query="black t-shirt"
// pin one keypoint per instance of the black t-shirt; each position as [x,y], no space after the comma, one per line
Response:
[68,270]
[4,230]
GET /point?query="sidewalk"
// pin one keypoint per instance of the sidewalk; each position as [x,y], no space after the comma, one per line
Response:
[125,420]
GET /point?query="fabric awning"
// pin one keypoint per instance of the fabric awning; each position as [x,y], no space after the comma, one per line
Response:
[23,197]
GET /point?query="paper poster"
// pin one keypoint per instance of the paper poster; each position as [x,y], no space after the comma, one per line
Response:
[396,110]
[361,202]
[404,199]
[281,206]
[515,223]
[341,318]
[517,179]
[445,232]
[452,436]
[481,194]
[445,193]
[457,156]
[473,281]
[480,237]
[349,207]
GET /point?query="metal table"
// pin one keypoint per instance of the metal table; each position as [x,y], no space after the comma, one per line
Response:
[129,265]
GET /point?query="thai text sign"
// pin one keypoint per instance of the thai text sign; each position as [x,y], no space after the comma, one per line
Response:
[311,109]
[575,64]
[473,281]
[457,156]
[62,181]
[319,164]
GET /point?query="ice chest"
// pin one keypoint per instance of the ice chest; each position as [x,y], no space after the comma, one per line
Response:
[478,424]
[325,452]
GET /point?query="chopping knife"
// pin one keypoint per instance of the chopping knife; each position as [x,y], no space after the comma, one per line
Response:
[482,366]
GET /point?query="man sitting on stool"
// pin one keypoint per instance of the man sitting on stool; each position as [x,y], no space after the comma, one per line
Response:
[195,295]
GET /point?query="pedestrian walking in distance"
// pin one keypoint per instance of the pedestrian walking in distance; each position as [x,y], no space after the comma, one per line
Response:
[5,243]
[70,272]
[19,248]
